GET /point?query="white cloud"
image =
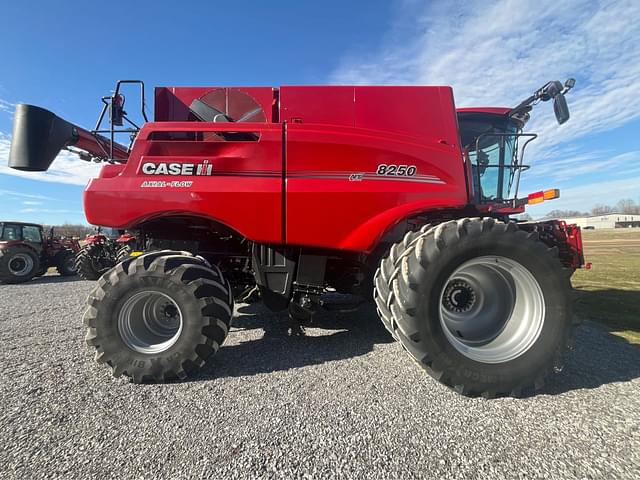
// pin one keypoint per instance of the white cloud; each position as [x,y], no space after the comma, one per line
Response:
[49,210]
[6,106]
[567,167]
[582,198]
[66,168]
[31,202]
[13,193]
[497,53]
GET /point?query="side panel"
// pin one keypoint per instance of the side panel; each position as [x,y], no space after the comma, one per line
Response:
[242,189]
[324,105]
[339,196]
[425,113]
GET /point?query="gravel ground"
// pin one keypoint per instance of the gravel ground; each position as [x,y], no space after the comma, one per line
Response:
[342,402]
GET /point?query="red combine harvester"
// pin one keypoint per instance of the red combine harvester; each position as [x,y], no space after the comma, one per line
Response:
[299,189]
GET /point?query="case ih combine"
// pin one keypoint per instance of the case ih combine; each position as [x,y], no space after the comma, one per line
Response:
[297,189]
[25,252]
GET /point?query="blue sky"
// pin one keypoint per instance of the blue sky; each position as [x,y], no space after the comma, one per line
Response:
[64,56]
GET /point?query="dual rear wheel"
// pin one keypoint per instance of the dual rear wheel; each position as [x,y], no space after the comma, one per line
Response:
[481,305]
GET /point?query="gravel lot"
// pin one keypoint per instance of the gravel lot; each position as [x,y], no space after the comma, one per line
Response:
[342,402]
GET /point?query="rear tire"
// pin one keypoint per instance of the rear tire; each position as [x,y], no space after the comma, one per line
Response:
[123,253]
[482,306]
[18,264]
[92,261]
[66,263]
[159,316]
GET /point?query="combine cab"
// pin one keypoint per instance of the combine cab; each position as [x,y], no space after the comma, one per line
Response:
[388,193]
[25,252]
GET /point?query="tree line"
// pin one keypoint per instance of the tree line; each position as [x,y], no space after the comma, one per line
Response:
[70,230]
[626,206]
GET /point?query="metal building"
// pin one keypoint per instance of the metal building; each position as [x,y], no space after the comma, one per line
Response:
[609,220]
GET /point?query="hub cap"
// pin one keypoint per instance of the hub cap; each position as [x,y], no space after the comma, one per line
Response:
[150,322]
[492,309]
[21,264]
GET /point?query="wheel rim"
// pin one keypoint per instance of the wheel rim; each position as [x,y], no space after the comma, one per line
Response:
[150,322]
[21,264]
[492,309]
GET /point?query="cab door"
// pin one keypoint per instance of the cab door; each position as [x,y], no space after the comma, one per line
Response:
[32,236]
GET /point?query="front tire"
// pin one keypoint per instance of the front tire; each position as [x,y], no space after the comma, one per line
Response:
[92,261]
[123,253]
[159,316]
[482,306]
[18,264]
[65,263]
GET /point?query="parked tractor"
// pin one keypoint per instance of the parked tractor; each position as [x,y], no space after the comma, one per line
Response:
[25,252]
[389,193]
[101,251]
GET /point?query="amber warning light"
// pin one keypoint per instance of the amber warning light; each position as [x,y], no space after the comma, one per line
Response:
[541,196]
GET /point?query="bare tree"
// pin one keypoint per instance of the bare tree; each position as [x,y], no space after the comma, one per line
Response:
[600,209]
[565,214]
[69,230]
[627,206]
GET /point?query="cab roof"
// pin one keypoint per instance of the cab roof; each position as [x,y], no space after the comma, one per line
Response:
[3,222]
[493,110]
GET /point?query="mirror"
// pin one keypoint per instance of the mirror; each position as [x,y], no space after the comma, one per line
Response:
[560,108]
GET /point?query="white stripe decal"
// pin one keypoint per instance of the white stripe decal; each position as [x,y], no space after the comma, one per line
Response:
[371,176]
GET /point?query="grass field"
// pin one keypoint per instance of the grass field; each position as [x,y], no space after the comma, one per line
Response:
[609,293]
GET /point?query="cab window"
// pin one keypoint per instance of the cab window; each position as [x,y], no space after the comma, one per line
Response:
[10,232]
[31,234]
[490,141]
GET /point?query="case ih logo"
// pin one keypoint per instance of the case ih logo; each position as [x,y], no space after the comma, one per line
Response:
[174,168]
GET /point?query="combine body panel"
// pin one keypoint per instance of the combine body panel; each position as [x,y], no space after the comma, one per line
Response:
[243,190]
[387,153]
[285,184]
[235,193]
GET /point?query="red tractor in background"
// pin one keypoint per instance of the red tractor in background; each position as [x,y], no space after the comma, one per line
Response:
[25,252]
[101,251]
[383,192]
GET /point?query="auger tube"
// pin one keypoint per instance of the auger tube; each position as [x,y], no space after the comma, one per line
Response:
[39,135]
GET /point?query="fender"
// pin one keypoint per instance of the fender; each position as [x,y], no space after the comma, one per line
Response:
[366,236]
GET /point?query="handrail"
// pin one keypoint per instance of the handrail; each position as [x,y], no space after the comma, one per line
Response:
[108,105]
[517,164]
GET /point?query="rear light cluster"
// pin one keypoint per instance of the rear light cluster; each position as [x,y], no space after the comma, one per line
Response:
[541,196]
